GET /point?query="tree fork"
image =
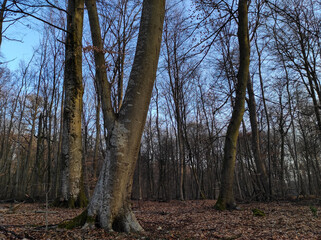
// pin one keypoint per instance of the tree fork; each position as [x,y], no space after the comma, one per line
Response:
[110,203]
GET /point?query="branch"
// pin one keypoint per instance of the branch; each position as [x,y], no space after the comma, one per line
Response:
[42,6]
[35,17]
[8,233]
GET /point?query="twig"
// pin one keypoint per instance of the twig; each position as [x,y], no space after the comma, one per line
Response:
[8,232]
[46,227]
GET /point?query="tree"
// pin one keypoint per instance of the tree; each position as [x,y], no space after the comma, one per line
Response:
[174,66]
[261,170]
[2,11]
[226,197]
[72,192]
[110,203]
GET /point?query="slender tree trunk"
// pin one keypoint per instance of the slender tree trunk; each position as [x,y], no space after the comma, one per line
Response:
[97,140]
[226,197]
[261,171]
[181,156]
[2,10]
[58,162]
[282,147]
[14,179]
[36,180]
[176,88]
[267,118]
[72,193]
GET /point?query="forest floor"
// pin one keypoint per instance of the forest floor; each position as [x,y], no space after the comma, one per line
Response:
[173,220]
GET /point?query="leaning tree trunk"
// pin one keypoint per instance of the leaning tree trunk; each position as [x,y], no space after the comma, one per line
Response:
[226,197]
[110,204]
[72,191]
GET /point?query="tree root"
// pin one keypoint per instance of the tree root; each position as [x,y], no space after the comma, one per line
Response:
[125,223]
[222,205]
[78,221]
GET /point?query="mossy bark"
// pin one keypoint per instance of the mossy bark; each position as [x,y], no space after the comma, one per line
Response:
[80,202]
[226,197]
[71,189]
[77,221]
[110,204]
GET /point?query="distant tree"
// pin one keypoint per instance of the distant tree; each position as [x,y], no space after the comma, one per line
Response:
[261,170]
[175,63]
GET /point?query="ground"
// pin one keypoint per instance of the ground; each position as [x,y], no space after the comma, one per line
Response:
[172,220]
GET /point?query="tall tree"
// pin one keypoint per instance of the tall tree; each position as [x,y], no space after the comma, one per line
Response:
[261,170]
[226,197]
[72,192]
[174,66]
[110,204]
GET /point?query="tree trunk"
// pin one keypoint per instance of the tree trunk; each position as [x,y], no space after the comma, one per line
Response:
[226,197]
[261,170]
[259,53]
[110,204]
[37,172]
[2,10]
[111,198]
[71,152]
[282,132]
[97,140]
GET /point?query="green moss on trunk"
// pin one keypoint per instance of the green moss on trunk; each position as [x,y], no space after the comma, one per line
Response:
[80,202]
[219,205]
[78,221]
[222,204]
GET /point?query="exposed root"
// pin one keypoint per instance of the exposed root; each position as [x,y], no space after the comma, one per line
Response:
[78,221]
[127,223]
[222,205]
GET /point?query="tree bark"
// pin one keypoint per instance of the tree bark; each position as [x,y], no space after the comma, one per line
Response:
[72,193]
[226,197]
[110,204]
[2,10]
[261,170]
[259,53]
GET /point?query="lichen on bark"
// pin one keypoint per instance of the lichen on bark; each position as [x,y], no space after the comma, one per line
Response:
[110,203]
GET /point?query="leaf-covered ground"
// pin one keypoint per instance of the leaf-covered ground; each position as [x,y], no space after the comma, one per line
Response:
[173,220]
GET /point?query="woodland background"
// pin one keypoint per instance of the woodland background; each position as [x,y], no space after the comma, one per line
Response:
[183,140]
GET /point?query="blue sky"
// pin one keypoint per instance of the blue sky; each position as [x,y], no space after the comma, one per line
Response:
[16,51]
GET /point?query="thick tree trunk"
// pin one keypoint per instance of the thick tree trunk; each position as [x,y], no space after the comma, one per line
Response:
[111,199]
[110,204]
[226,197]
[71,151]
